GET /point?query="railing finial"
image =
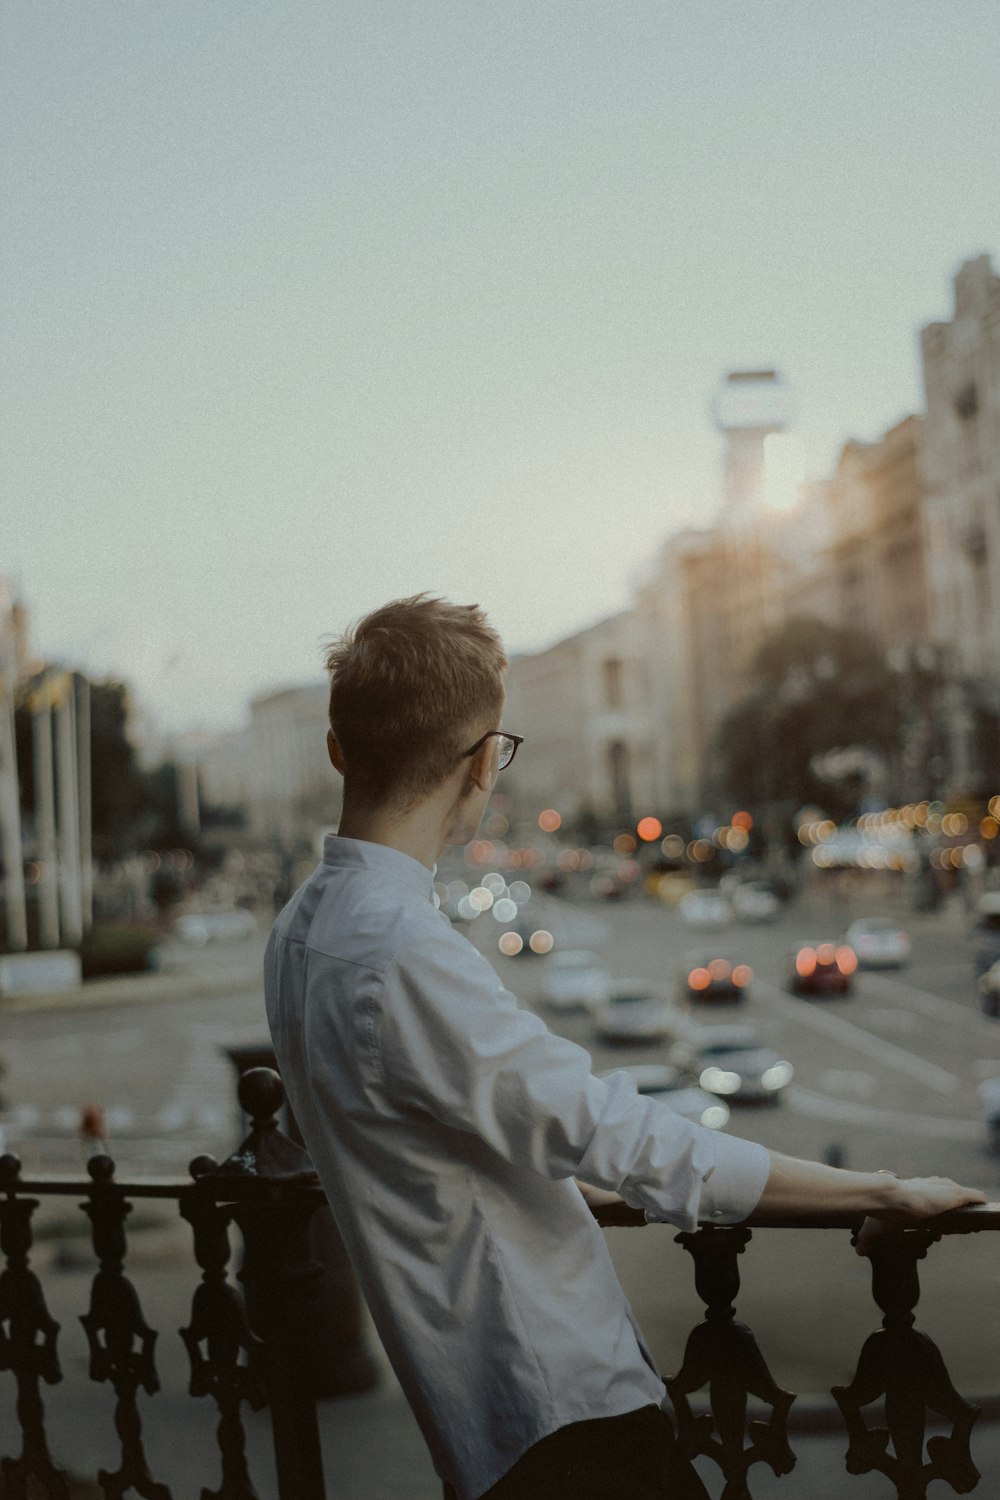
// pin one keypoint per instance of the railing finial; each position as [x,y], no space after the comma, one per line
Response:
[10,1168]
[101,1168]
[267,1152]
[261,1093]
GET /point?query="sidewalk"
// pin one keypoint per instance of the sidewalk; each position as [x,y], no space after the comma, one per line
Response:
[185,974]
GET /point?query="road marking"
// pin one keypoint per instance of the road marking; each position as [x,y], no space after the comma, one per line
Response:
[930,1004]
[848,1081]
[820,1107]
[849,1035]
[888,1018]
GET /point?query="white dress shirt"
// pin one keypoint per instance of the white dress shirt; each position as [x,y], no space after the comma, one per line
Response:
[446,1124]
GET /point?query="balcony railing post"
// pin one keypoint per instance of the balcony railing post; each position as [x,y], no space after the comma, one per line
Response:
[724,1354]
[219,1334]
[905,1367]
[273,1192]
[113,1324]
[333,1326]
[28,1337]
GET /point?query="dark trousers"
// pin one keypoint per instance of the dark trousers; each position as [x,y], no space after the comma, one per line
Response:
[633,1457]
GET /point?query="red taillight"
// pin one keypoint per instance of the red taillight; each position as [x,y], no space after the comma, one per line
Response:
[805,962]
[847,959]
[826,953]
[699,979]
[742,975]
[719,969]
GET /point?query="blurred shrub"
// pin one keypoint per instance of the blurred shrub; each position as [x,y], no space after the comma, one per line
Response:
[119,948]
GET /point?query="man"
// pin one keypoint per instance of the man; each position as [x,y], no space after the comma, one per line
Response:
[449,1126]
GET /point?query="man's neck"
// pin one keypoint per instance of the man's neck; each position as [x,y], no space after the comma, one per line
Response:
[418,834]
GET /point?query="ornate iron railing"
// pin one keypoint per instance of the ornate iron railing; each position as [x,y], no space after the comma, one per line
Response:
[245,1348]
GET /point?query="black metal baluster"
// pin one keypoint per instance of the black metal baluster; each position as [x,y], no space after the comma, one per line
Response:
[112,1325]
[219,1333]
[723,1354]
[27,1343]
[906,1368]
[275,1193]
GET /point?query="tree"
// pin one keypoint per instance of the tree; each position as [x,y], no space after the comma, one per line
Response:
[823,708]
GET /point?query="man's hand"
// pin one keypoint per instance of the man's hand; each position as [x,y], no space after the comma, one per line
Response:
[918,1198]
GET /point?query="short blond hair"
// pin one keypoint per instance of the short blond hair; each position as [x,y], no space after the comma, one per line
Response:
[412,685]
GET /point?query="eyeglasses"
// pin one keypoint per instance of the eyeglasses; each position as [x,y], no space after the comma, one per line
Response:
[508,745]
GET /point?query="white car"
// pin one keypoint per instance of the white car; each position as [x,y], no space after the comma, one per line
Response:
[879,943]
[637,1012]
[678,1091]
[755,902]
[201,927]
[705,909]
[734,1061]
[575,979]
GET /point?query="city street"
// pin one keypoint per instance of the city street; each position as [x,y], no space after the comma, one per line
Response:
[886,1076]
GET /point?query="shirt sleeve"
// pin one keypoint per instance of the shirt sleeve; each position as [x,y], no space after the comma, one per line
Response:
[454,1044]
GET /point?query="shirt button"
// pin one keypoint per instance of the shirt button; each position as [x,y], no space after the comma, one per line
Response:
[718,1213]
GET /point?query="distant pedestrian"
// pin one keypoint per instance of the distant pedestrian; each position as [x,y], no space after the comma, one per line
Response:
[454,1133]
[93,1131]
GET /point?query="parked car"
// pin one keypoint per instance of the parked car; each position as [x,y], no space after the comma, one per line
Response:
[636,1012]
[228,926]
[705,909]
[575,979]
[879,943]
[755,901]
[735,1061]
[678,1091]
[708,975]
[821,968]
[986,932]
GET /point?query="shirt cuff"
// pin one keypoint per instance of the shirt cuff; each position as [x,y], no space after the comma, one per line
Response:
[731,1188]
[732,1185]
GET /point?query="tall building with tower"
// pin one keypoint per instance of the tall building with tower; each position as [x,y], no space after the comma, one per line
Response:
[748,407]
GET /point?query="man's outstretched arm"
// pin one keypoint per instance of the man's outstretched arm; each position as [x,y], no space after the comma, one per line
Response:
[796,1186]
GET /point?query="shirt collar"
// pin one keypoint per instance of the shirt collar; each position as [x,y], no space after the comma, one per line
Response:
[391,864]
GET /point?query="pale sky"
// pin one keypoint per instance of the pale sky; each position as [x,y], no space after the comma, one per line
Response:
[311,305]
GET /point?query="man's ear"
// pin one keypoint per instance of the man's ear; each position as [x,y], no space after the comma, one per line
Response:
[481,771]
[334,751]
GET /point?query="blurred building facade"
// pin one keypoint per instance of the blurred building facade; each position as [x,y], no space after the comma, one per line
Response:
[961,366]
[585,707]
[902,542]
[878,558]
[684,637]
[276,770]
